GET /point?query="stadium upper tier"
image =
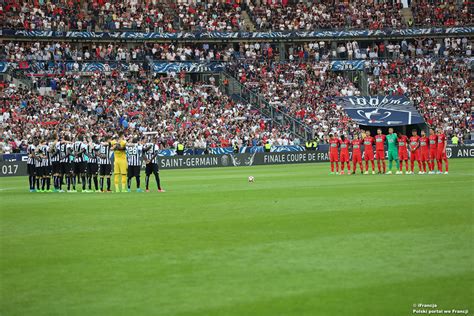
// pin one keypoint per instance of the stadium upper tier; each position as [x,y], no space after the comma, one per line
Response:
[170,16]
[58,51]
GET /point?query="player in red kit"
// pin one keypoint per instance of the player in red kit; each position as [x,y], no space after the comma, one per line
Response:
[441,156]
[424,151]
[415,151]
[344,144]
[356,153]
[402,152]
[333,152]
[369,152]
[433,139]
[380,149]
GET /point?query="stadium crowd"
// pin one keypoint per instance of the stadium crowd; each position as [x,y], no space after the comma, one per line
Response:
[309,15]
[438,89]
[195,113]
[442,13]
[17,51]
[303,90]
[173,16]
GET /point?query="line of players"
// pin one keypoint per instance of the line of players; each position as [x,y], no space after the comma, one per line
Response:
[89,163]
[425,150]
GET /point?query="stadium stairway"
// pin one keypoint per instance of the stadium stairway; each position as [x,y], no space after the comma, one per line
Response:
[248,24]
[407,16]
[239,93]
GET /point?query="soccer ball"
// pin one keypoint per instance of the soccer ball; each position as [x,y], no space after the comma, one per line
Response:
[251,179]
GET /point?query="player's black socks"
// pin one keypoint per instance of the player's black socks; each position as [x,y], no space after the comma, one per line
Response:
[147,181]
[138,182]
[74,182]
[43,183]
[89,181]
[157,178]
[48,183]
[30,181]
[129,183]
[68,181]
[108,184]
[83,179]
[96,183]
[60,182]
[38,183]
[101,183]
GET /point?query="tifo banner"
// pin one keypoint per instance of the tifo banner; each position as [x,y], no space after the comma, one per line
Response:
[380,110]
[347,65]
[18,168]
[115,35]
[167,67]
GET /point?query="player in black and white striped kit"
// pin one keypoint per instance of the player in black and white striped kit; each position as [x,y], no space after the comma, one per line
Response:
[92,164]
[65,166]
[45,166]
[150,152]
[80,166]
[31,165]
[134,160]
[55,164]
[105,164]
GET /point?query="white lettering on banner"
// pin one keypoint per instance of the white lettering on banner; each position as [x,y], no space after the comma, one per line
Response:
[376,101]
[176,162]
[465,153]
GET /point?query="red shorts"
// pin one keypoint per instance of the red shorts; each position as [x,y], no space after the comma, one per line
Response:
[380,155]
[433,154]
[344,157]
[333,157]
[425,155]
[369,155]
[402,155]
[441,155]
[415,155]
[356,157]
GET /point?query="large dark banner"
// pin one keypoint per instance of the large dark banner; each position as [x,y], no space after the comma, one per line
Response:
[380,110]
[8,168]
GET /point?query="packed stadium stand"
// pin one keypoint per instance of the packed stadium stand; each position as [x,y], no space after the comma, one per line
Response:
[240,90]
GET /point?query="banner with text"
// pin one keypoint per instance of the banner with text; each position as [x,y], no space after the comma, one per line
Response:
[18,168]
[380,110]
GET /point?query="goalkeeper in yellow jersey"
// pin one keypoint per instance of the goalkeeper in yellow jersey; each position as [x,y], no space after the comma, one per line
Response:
[120,162]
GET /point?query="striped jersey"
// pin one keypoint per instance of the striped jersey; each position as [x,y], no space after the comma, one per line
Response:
[54,152]
[104,154]
[92,153]
[64,150]
[31,151]
[153,151]
[79,148]
[45,156]
[134,155]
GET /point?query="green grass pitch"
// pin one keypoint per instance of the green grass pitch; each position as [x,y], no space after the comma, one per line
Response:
[295,242]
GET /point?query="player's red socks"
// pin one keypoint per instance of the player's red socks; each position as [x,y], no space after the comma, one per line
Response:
[384,166]
[412,164]
[440,166]
[446,165]
[373,165]
[332,166]
[378,165]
